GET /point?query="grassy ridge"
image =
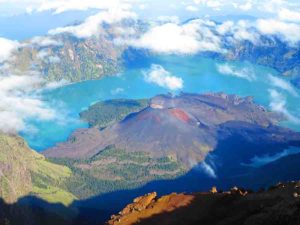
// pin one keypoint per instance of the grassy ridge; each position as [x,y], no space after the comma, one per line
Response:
[24,171]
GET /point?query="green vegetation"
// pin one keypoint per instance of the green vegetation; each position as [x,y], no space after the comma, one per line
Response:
[25,172]
[48,182]
[105,113]
[113,169]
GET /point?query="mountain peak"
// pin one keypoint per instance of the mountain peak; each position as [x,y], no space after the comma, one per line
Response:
[187,125]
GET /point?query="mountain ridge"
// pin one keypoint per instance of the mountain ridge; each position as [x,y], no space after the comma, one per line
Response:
[24,172]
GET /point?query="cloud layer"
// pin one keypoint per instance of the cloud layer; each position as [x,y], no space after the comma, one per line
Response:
[20,102]
[208,169]
[60,6]
[91,26]
[282,84]
[6,48]
[290,32]
[172,38]
[278,104]
[202,35]
[259,161]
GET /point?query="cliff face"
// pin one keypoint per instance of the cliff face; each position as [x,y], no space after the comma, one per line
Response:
[280,204]
[271,52]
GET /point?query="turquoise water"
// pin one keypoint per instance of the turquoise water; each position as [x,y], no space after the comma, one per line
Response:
[199,75]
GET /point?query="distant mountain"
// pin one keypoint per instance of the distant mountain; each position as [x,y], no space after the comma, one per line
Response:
[278,205]
[70,58]
[271,52]
[67,57]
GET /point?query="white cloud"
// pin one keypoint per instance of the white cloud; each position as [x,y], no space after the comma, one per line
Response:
[289,15]
[271,6]
[45,56]
[163,78]
[244,31]
[44,41]
[241,30]
[56,84]
[259,161]
[168,19]
[19,103]
[42,54]
[252,30]
[60,6]
[192,8]
[6,48]
[14,7]
[214,4]
[244,73]
[208,169]
[171,38]
[281,83]
[143,6]
[225,27]
[245,7]
[278,104]
[91,25]
[288,31]
[117,91]
[54,59]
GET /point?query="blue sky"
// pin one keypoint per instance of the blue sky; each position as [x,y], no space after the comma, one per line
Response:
[21,19]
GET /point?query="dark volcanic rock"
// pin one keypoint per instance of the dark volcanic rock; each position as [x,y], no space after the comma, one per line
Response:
[184,127]
[278,205]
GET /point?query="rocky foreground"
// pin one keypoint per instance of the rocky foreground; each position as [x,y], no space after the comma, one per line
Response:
[279,204]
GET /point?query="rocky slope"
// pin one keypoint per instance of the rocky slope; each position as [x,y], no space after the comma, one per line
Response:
[280,204]
[271,52]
